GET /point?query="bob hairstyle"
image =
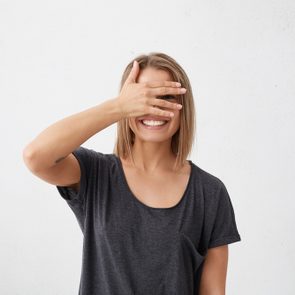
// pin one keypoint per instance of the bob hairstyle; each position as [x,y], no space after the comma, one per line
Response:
[182,141]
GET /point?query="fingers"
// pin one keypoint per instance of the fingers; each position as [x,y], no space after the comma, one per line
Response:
[133,73]
[159,112]
[165,104]
[153,84]
[160,91]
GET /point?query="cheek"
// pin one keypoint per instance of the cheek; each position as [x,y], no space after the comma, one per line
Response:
[132,123]
[176,118]
[176,115]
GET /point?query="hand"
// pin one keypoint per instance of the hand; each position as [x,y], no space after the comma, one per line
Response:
[138,99]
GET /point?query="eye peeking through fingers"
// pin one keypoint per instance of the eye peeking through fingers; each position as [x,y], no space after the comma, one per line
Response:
[167,97]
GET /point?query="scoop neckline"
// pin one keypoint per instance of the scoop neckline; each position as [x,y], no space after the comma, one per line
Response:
[134,198]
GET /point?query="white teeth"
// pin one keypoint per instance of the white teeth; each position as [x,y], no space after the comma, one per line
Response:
[153,123]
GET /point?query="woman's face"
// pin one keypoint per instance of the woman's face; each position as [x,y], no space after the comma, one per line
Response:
[162,133]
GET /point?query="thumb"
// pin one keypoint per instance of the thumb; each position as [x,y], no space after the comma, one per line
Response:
[133,73]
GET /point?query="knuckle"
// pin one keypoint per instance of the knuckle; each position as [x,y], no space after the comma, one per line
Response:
[159,101]
[168,104]
[163,90]
[145,92]
[154,111]
[173,105]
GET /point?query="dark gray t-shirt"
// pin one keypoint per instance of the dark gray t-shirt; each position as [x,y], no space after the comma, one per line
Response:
[130,248]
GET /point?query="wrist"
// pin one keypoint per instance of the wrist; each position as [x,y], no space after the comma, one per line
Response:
[117,108]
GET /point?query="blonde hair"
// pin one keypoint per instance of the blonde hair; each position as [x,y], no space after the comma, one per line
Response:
[182,141]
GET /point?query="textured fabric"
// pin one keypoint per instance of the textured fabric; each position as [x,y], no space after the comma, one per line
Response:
[130,248]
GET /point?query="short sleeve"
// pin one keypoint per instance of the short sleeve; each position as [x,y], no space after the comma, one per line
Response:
[225,229]
[87,159]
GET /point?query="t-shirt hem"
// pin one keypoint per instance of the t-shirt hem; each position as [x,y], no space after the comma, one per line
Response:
[70,194]
[225,241]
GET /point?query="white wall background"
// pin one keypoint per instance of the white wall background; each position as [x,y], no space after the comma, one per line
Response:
[60,57]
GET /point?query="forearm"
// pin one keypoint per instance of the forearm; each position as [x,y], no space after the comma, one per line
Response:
[211,292]
[59,139]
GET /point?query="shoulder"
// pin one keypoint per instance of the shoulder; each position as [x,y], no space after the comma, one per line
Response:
[209,183]
[92,157]
[214,194]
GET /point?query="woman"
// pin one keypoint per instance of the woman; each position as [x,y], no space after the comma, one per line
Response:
[153,222]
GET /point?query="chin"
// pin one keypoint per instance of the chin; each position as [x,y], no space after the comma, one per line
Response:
[156,139]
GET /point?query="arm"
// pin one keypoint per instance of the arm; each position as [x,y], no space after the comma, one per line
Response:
[213,280]
[49,155]
[56,142]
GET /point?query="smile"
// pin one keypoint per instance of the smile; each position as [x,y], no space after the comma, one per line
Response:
[153,125]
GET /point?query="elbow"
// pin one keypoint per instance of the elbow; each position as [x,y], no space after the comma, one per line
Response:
[29,158]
